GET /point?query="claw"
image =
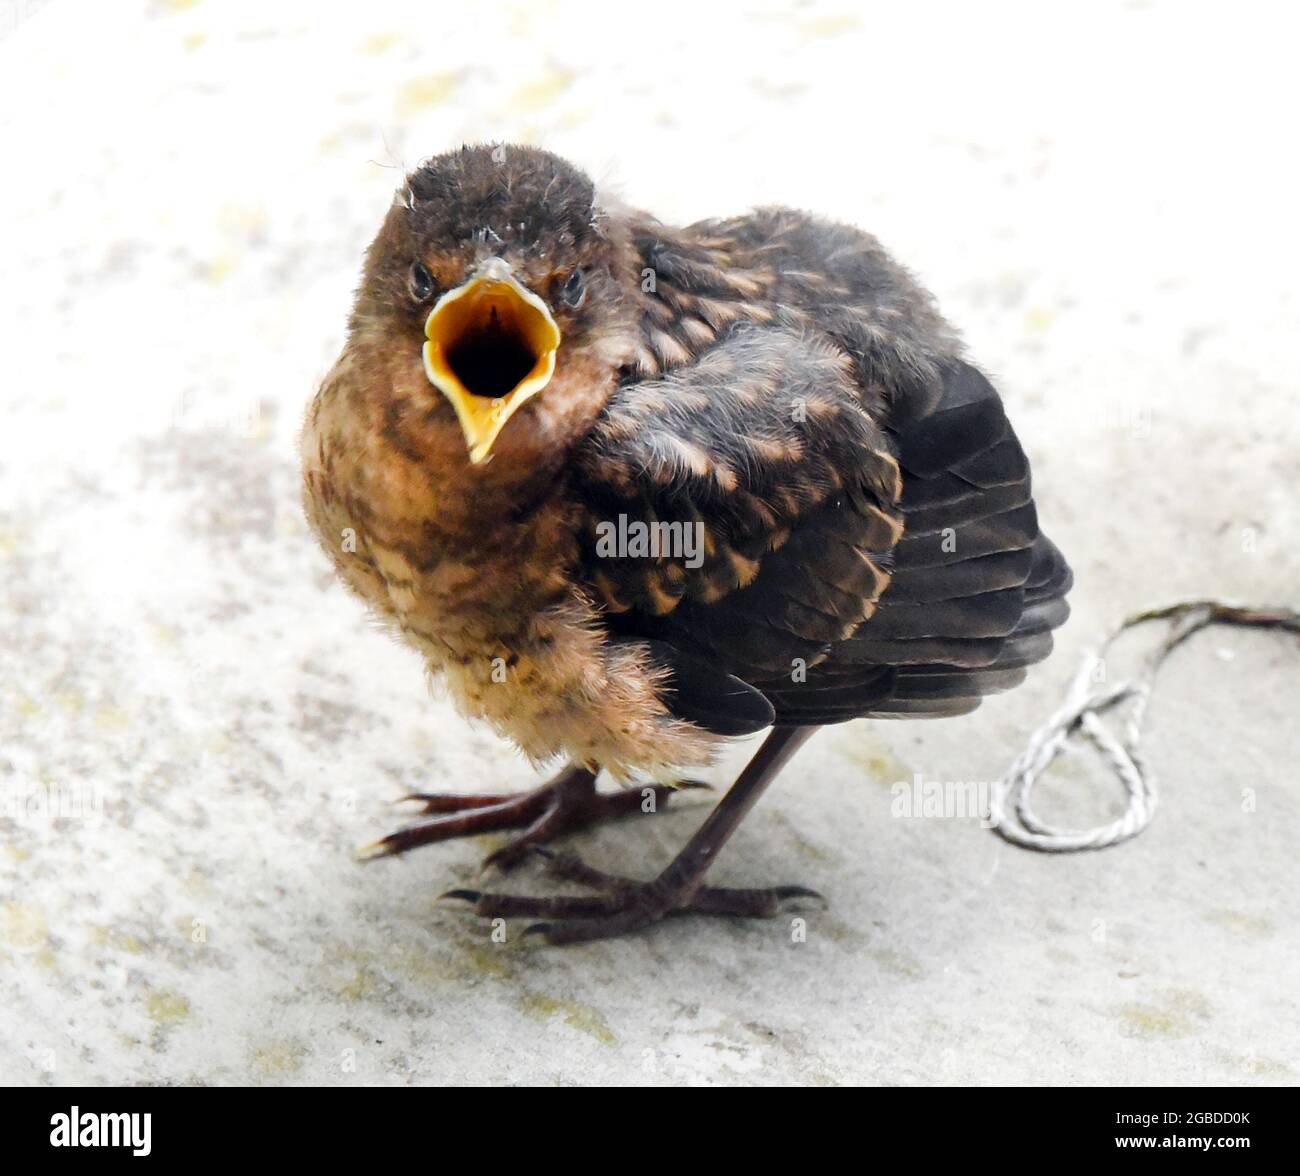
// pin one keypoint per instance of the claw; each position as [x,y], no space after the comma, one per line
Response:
[792,898]
[372,850]
[453,897]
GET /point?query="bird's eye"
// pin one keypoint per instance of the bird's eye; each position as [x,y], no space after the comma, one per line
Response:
[574,289]
[421,282]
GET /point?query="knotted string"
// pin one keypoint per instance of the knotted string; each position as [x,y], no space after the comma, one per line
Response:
[1088,703]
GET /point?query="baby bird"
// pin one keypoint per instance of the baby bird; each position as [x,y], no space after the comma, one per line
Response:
[631,490]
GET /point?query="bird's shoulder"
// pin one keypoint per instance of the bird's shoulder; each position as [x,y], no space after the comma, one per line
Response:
[783,267]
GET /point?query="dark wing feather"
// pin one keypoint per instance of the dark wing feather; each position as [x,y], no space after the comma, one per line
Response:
[698,690]
[977,588]
[872,540]
[766,446]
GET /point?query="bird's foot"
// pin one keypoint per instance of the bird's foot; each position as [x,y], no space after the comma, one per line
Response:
[567,802]
[622,905]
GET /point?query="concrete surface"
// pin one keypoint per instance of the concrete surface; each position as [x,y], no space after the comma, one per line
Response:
[1102,197]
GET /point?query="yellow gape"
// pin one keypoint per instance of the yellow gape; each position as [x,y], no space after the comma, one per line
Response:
[490,346]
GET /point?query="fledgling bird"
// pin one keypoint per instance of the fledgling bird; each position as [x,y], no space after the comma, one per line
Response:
[632,489]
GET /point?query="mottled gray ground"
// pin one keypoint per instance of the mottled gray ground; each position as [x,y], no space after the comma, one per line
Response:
[1103,200]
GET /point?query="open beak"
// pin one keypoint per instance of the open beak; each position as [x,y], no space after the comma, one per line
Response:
[489,347]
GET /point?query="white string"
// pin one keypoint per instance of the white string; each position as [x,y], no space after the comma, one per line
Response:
[1086,703]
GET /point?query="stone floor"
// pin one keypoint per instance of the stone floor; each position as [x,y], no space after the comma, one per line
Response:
[1104,202]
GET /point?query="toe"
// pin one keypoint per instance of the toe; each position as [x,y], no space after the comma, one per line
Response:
[448,802]
[488,819]
[567,931]
[763,903]
[571,868]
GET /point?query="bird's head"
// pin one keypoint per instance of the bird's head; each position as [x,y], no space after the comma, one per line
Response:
[493,300]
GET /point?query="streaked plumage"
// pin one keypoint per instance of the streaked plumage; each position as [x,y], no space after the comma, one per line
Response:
[871,544]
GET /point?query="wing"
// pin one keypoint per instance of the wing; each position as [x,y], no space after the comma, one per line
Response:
[870,544]
[976,587]
[741,511]
[851,569]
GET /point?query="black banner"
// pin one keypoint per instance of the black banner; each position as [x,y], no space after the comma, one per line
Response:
[362,1126]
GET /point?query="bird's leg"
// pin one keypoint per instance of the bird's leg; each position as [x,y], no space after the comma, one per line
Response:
[625,905]
[566,802]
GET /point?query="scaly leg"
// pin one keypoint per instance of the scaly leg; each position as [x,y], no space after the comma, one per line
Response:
[625,905]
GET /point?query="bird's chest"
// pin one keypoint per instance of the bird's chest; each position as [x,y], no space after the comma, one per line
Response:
[510,635]
[484,588]
[463,578]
